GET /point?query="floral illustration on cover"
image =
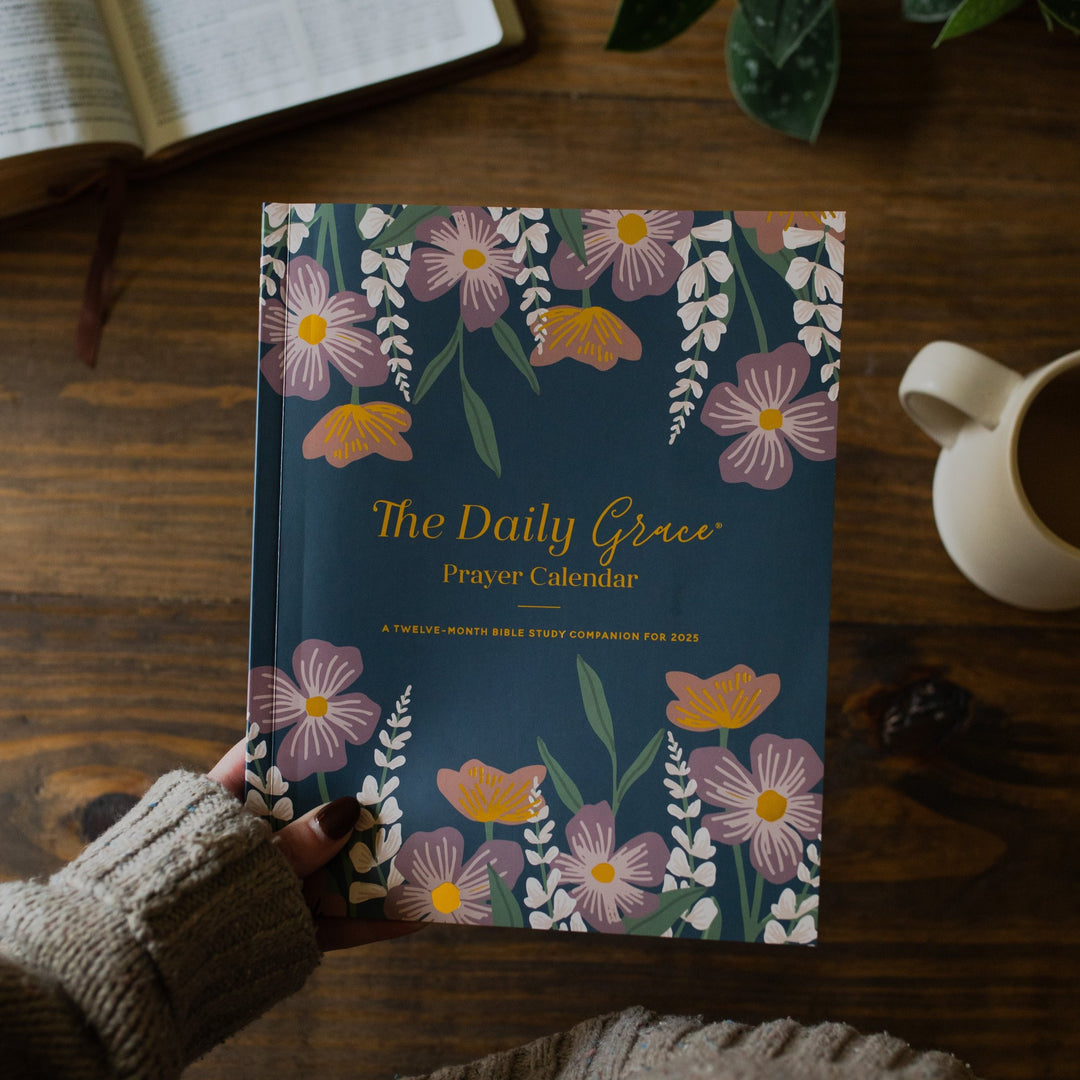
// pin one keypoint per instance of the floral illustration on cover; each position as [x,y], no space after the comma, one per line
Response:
[309,330]
[440,885]
[489,795]
[610,883]
[391,334]
[523,279]
[769,420]
[320,720]
[530,847]
[722,702]
[770,804]
[635,244]
[464,251]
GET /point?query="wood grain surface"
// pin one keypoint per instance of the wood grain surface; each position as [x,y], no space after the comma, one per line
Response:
[125,514]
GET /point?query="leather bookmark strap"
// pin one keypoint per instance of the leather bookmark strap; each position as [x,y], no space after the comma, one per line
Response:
[97,294]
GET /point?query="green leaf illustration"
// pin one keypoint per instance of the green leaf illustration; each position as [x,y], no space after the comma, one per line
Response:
[508,341]
[639,768]
[568,225]
[505,910]
[712,931]
[672,905]
[778,261]
[596,706]
[403,228]
[974,15]
[1065,12]
[792,99]
[436,367]
[779,26]
[644,24]
[565,788]
[480,426]
[927,11]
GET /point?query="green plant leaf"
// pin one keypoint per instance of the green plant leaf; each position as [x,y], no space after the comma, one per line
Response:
[480,426]
[672,905]
[505,910]
[795,98]
[639,767]
[644,24]
[436,367]
[403,228]
[974,15]
[928,11]
[568,225]
[508,341]
[565,788]
[1065,12]
[779,26]
[596,706]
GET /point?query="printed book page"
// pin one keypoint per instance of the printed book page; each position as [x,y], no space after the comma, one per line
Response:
[195,67]
[58,84]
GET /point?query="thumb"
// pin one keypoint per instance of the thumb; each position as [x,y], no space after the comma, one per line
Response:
[314,839]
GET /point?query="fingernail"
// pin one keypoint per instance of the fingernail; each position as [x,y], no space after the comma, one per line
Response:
[336,819]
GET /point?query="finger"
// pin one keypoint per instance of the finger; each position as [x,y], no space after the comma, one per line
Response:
[314,839]
[229,771]
[341,933]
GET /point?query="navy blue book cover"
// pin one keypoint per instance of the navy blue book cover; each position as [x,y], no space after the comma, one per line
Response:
[541,562]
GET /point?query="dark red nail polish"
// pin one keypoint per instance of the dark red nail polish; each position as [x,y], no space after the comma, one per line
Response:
[336,819]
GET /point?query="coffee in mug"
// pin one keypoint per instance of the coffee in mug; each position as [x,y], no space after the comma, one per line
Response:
[1007,483]
[1048,455]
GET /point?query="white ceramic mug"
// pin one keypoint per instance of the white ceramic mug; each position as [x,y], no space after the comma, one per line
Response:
[1007,483]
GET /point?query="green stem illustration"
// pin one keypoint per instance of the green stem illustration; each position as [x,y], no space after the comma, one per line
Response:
[329,210]
[749,925]
[736,261]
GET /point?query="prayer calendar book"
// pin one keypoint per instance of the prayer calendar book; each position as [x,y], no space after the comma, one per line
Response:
[541,560]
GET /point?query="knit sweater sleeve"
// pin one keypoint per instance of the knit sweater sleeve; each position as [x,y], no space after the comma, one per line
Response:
[637,1044]
[168,933]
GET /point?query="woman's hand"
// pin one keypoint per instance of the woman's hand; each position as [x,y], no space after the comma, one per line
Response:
[308,843]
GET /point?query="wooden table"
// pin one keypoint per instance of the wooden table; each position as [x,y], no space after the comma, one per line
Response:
[951,868]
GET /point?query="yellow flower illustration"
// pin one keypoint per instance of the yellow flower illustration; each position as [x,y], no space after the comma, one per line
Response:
[351,432]
[483,793]
[728,700]
[592,335]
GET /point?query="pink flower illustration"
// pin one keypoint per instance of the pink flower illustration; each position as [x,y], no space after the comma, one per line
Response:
[637,244]
[770,224]
[322,718]
[439,887]
[768,420]
[482,793]
[351,432]
[771,805]
[467,251]
[309,330]
[611,881]
[591,335]
[728,700]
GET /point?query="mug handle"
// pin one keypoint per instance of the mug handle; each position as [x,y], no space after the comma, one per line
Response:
[947,384]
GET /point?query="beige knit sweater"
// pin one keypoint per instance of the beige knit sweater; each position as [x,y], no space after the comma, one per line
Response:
[183,922]
[168,933]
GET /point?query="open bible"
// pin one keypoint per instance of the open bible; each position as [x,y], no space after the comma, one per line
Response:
[87,82]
